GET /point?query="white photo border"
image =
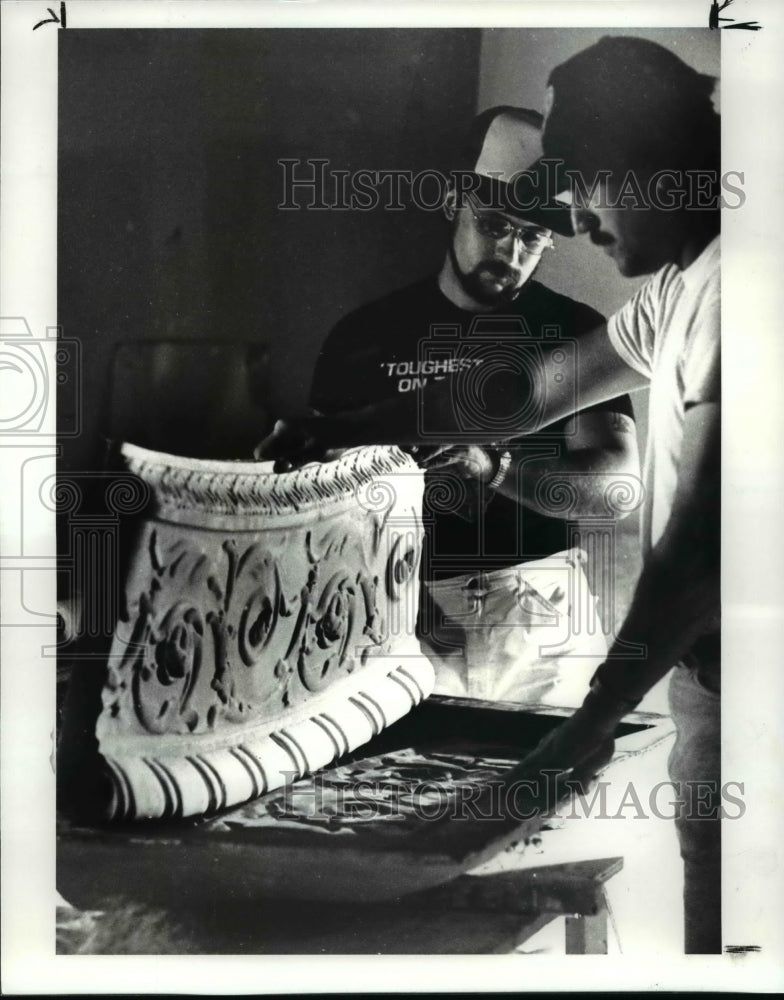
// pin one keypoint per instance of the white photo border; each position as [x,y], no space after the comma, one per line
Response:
[753,353]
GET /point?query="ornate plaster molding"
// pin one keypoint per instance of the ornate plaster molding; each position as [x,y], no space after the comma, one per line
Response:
[267,627]
[189,488]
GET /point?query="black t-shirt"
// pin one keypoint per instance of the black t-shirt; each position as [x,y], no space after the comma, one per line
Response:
[402,341]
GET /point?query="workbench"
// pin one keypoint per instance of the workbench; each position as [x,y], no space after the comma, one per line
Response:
[234,886]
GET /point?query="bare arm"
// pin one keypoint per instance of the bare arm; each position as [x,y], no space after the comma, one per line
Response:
[677,596]
[676,601]
[594,473]
[437,413]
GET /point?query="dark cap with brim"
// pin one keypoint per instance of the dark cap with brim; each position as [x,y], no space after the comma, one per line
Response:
[623,103]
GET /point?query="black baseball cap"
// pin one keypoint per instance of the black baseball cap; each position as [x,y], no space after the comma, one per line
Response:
[628,102]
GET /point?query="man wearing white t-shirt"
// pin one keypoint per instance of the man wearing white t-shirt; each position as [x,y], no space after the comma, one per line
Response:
[636,128]
[631,108]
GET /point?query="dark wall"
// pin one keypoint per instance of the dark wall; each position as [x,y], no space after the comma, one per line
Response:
[169,186]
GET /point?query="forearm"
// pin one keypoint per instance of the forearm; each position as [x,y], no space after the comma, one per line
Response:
[589,482]
[676,600]
[447,411]
[430,416]
[400,420]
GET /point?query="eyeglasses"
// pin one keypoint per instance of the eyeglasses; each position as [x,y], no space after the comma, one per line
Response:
[497,227]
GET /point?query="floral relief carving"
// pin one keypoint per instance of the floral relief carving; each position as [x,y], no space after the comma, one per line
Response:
[247,597]
[191,662]
[208,615]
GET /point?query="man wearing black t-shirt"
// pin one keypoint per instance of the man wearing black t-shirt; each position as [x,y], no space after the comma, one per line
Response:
[506,611]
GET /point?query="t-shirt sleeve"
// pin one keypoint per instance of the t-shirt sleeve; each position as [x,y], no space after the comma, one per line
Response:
[589,319]
[701,370]
[620,404]
[632,328]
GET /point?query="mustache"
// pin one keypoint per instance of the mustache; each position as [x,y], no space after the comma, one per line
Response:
[600,239]
[498,269]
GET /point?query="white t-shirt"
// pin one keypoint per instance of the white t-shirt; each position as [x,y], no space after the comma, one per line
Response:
[670,332]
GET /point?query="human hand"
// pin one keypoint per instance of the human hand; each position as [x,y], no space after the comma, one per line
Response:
[583,744]
[292,444]
[311,437]
[469,461]
[573,746]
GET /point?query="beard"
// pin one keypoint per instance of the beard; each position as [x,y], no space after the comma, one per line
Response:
[477,282]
